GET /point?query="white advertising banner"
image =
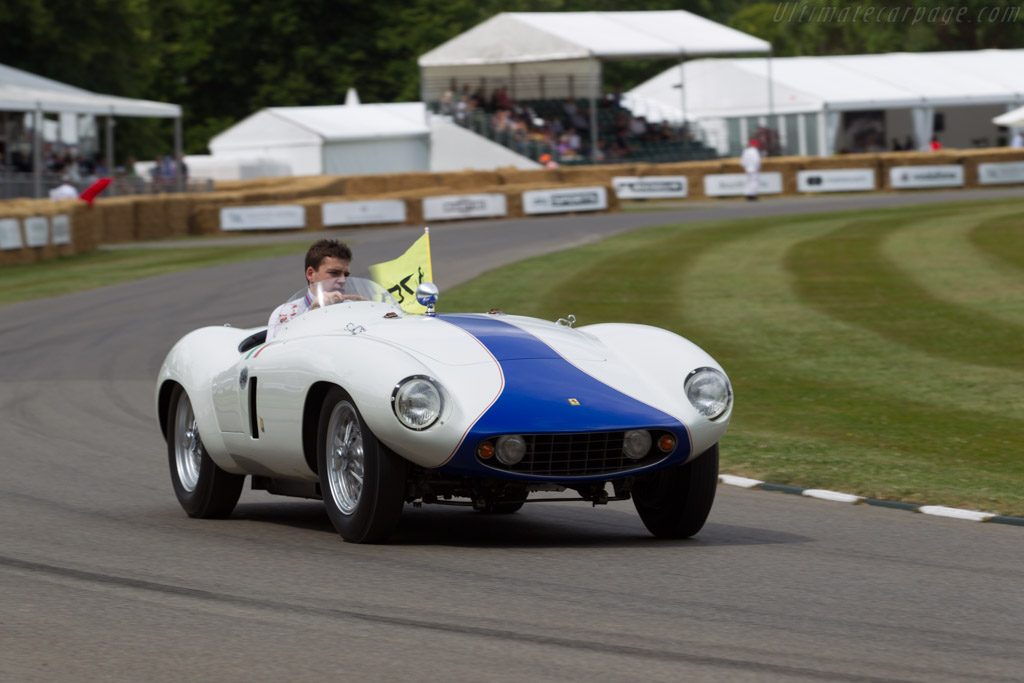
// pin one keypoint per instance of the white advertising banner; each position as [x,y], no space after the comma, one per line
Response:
[564,201]
[905,177]
[62,229]
[363,213]
[280,217]
[734,184]
[453,206]
[37,231]
[650,187]
[836,180]
[10,233]
[1001,172]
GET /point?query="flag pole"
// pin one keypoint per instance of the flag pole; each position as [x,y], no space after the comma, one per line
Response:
[430,264]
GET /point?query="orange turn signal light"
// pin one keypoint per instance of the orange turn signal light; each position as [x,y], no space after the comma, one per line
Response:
[485,450]
[667,443]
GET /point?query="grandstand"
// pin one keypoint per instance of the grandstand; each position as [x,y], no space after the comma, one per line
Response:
[532,81]
[542,129]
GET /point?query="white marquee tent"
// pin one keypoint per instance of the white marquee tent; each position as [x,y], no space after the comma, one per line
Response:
[809,94]
[336,139]
[1013,118]
[548,55]
[24,92]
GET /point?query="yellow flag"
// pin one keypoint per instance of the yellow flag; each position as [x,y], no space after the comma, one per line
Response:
[405,273]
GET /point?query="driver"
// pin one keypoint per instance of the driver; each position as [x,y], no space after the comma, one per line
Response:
[325,260]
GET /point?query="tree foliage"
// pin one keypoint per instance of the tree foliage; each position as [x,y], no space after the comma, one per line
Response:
[222,60]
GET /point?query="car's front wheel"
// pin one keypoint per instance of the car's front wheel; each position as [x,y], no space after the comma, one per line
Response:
[675,502]
[362,481]
[203,489]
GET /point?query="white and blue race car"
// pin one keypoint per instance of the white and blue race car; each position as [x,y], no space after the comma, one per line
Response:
[368,408]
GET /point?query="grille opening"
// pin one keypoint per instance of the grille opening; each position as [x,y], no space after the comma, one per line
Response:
[579,454]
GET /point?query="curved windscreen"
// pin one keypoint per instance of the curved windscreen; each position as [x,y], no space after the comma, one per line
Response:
[344,289]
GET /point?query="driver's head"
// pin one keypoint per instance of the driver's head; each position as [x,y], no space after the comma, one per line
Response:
[328,260]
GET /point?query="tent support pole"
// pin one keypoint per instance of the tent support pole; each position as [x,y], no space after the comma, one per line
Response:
[423,90]
[682,89]
[771,98]
[109,149]
[37,153]
[595,83]
[178,156]
[822,137]
[8,134]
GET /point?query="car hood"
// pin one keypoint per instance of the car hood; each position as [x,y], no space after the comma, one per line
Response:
[465,339]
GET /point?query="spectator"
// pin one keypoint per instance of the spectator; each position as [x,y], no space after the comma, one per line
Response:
[448,104]
[637,127]
[935,145]
[64,191]
[569,107]
[573,139]
[750,160]
[580,120]
[1017,141]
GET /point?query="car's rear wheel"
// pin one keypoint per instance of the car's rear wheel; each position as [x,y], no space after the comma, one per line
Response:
[675,502]
[203,489]
[362,482]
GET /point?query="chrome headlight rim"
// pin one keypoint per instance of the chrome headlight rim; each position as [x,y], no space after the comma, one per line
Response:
[396,408]
[715,372]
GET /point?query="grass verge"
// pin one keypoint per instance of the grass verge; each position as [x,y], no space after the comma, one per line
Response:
[101,268]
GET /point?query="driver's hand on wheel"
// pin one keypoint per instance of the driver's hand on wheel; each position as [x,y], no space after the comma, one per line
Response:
[331,298]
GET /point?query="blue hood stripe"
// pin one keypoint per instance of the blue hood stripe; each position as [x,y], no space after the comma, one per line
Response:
[538,386]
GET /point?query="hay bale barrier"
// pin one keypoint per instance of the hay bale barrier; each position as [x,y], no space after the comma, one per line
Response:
[157,217]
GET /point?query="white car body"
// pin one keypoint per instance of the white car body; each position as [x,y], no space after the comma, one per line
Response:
[257,409]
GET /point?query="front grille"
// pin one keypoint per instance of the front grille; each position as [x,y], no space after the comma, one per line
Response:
[576,455]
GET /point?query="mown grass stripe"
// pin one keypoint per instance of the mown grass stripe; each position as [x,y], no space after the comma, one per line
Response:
[845,275]
[937,254]
[1002,238]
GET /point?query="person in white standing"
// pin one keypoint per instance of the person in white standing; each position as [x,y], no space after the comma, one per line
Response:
[64,191]
[750,160]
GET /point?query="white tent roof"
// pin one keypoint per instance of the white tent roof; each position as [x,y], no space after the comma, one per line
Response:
[289,126]
[739,87]
[1012,118]
[23,91]
[521,37]
[335,123]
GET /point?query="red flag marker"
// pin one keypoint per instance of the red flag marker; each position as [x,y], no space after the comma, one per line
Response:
[93,190]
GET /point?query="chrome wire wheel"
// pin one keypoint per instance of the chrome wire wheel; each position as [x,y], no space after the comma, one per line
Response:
[345,457]
[188,447]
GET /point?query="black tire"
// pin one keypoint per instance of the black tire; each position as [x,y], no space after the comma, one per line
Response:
[675,503]
[366,511]
[203,489]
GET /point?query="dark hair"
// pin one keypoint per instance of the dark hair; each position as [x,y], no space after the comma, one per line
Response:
[322,249]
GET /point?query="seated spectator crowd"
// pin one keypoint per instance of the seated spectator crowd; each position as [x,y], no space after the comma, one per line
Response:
[558,132]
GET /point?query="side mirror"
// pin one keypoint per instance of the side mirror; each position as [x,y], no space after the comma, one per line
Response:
[426,295]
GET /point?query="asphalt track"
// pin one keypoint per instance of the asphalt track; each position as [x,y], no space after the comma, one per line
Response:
[103,577]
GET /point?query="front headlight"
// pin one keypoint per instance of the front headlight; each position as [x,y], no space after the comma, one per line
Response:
[417,402]
[709,392]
